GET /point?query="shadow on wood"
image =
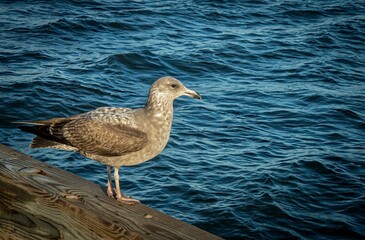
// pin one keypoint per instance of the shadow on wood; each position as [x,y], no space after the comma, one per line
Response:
[38,201]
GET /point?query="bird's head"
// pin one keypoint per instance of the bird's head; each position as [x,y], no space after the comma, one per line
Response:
[170,88]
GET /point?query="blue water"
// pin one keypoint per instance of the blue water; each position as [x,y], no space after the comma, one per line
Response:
[276,149]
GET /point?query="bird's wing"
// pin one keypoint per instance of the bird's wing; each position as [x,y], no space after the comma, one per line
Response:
[100,138]
[89,135]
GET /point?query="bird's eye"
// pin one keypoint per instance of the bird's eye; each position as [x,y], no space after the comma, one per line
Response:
[174,86]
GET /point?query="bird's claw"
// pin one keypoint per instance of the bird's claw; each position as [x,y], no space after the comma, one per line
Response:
[111,193]
[127,200]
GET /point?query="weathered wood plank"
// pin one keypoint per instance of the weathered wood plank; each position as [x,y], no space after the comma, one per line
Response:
[39,201]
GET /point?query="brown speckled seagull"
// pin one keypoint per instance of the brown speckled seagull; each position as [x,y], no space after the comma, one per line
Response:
[115,136]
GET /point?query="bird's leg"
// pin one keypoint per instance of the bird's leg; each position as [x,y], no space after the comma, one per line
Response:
[120,197]
[110,191]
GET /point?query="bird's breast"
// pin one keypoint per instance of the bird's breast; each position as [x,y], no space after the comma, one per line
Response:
[158,129]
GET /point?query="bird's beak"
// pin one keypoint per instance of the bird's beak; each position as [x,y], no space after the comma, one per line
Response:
[192,94]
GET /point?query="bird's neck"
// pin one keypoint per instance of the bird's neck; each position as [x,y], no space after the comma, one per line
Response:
[158,105]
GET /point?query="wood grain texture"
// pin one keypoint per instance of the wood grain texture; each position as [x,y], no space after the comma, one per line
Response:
[39,201]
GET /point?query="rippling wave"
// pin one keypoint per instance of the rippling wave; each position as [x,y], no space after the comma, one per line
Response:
[276,148]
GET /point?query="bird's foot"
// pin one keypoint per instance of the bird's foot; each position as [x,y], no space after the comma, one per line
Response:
[127,200]
[111,192]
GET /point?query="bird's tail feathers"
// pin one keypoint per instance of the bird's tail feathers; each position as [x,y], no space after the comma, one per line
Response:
[41,122]
[29,129]
[52,132]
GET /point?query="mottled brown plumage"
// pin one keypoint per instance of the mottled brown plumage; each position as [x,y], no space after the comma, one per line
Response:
[115,136]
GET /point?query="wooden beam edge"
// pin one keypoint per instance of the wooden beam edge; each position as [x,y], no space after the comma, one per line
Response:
[40,201]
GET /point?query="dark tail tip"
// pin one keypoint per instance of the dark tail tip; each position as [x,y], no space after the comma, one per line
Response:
[29,129]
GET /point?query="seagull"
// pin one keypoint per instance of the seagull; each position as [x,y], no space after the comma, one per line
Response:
[115,136]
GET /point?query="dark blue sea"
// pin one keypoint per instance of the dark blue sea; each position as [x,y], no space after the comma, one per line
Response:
[276,148]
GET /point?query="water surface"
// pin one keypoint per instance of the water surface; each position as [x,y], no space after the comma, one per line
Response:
[276,148]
